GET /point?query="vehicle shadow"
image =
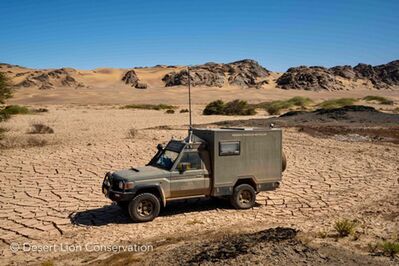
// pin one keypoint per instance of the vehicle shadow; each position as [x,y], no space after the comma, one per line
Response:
[112,214]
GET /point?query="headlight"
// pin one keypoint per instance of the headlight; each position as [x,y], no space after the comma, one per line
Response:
[126,185]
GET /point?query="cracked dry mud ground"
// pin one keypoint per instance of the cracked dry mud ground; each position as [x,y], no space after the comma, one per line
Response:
[52,194]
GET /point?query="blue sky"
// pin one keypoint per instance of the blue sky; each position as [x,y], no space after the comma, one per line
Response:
[278,34]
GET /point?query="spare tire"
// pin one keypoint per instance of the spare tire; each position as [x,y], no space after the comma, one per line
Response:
[283,162]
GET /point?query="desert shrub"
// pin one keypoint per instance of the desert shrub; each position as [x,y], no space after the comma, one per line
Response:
[236,107]
[344,227]
[214,108]
[396,110]
[336,103]
[379,99]
[5,87]
[170,111]
[390,248]
[149,106]
[184,111]
[275,107]
[39,128]
[9,110]
[239,107]
[132,133]
[15,110]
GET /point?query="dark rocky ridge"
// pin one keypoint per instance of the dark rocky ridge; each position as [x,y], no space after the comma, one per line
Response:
[244,73]
[320,78]
[45,80]
[309,78]
[131,78]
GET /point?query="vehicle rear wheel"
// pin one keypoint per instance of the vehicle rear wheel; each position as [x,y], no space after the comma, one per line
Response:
[144,207]
[244,197]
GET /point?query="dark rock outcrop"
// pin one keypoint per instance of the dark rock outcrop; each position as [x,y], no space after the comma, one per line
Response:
[320,78]
[313,78]
[131,78]
[49,79]
[344,71]
[198,77]
[244,73]
[382,76]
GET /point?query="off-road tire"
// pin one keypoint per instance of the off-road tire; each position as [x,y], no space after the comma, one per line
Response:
[283,162]
[144,207]
[244,197]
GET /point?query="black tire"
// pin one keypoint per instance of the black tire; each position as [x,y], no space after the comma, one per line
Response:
[244,197]
[284,162]
[144,207]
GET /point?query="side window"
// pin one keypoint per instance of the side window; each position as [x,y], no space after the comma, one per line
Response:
[227,148]
[192,159]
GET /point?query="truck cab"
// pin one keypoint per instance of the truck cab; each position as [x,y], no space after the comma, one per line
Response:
[230,163]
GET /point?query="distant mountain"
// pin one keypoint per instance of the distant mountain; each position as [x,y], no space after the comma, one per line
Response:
[244,73]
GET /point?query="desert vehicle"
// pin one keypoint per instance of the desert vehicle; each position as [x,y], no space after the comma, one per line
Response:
[233,163]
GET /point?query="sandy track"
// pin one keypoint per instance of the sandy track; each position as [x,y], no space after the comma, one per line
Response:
[52,194]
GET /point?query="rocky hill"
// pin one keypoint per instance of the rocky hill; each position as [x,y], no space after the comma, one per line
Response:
[44,79]
[244,73]
[320,78]
[240,74]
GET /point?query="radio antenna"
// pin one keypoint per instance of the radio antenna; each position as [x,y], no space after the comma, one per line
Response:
[190,131]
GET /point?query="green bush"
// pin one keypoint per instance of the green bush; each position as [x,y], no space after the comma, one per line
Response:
[344,227]
[390,248]
[274,107]
[239,107]
[9,110]
[15,110]
[149,106]
[214,108]
[336,103]
[236,107]
[379,99]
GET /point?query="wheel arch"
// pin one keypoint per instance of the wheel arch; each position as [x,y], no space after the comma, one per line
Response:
[249,180]
[153,189]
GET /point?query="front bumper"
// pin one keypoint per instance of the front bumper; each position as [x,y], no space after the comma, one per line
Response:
[112,194]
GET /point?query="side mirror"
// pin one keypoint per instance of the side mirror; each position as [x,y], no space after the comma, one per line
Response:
[182,167]
[160,147]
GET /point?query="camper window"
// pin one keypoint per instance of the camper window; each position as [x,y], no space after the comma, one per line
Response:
[229,148]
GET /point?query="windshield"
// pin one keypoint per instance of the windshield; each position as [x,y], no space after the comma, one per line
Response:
[166,159]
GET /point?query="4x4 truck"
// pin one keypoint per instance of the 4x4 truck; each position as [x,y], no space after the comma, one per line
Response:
[226,162]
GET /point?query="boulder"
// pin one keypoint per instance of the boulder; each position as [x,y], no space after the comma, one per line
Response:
[131,78]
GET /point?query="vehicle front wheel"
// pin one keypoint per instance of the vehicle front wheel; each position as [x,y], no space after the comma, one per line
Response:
[244,197]
[144,207]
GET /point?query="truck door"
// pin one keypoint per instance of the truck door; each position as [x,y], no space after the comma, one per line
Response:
[189,178]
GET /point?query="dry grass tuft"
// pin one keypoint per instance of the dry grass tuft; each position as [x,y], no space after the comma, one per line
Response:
[39,128]
[132,133]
